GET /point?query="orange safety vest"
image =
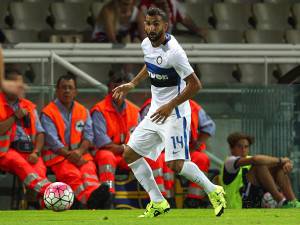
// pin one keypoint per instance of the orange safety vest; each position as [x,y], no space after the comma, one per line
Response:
[79,117]
[119,125]
[195,108]
[5,112]
[146,103]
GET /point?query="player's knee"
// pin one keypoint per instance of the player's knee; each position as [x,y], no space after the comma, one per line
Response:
[129,155]
[176,165]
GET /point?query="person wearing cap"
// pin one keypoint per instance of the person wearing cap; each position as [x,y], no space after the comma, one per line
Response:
[113,123]
[244,177]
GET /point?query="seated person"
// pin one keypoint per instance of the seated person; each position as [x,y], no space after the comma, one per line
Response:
[244,177]
[119,21]
[69,134]
[21,137]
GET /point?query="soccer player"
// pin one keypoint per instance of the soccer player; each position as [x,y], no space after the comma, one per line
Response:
[166,126]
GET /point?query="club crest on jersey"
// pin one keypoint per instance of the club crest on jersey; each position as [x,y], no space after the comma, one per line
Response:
[158,76]
[159,60]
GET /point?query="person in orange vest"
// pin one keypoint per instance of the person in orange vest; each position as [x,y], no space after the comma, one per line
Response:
[69,134]
[113,123]
[202,128]
[21,139]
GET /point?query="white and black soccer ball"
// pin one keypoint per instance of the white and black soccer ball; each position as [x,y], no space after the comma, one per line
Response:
[58,196]
[268,201]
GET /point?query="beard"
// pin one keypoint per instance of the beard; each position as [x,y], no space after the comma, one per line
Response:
[154,37]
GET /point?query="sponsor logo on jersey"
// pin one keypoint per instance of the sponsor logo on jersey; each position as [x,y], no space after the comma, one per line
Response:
[158,76]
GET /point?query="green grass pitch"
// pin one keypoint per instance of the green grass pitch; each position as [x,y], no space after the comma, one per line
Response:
[174,217]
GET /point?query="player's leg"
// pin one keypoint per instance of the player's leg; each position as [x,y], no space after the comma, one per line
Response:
[196,194]
[141,143]
[283,181]
[157,170]
[177,155]
[260,175]
[269,178]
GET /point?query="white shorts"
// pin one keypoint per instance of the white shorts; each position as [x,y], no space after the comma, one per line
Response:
[149,139]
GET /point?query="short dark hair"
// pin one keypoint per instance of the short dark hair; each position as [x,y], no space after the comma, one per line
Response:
[118,76]
[157,12]
[234,138]
[68,76]
[10,72]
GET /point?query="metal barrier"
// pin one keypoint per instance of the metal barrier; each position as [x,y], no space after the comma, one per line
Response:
[256,120]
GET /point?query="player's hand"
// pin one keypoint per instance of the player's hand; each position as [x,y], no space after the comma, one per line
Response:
[162,113]
[33,158]
[74,156]
[285,160]
[120,91]
[64,152]
[20,113]
[14,87]
[287,167]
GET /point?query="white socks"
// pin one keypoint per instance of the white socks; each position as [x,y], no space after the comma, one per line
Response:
[280,204]
[143,173]
[191,171]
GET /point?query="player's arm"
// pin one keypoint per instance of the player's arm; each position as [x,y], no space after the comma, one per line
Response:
[193,85]
[262,160]
[123,89]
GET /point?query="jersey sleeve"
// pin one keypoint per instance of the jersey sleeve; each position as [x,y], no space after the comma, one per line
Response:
[230,164]
[181,64]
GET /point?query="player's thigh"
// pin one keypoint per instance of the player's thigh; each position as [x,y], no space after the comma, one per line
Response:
[145,140]
[176,139]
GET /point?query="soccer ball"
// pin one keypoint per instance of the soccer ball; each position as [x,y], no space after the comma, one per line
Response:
[58,196]
[268,201]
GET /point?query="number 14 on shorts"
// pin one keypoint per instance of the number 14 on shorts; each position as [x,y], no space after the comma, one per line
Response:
[177,140]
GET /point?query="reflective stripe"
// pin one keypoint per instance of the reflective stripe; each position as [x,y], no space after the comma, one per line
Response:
[110,183]
[4,137]
[74,146]
[49,157]
[30,177]
[4,149]
[40,184]
[169,176]
[86,175]
[157,172]
[106,168]
[79,190]
[89,184]
[161,187]
[196,191]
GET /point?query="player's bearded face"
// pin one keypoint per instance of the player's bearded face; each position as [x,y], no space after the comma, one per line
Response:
[154,36]
[154,28]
